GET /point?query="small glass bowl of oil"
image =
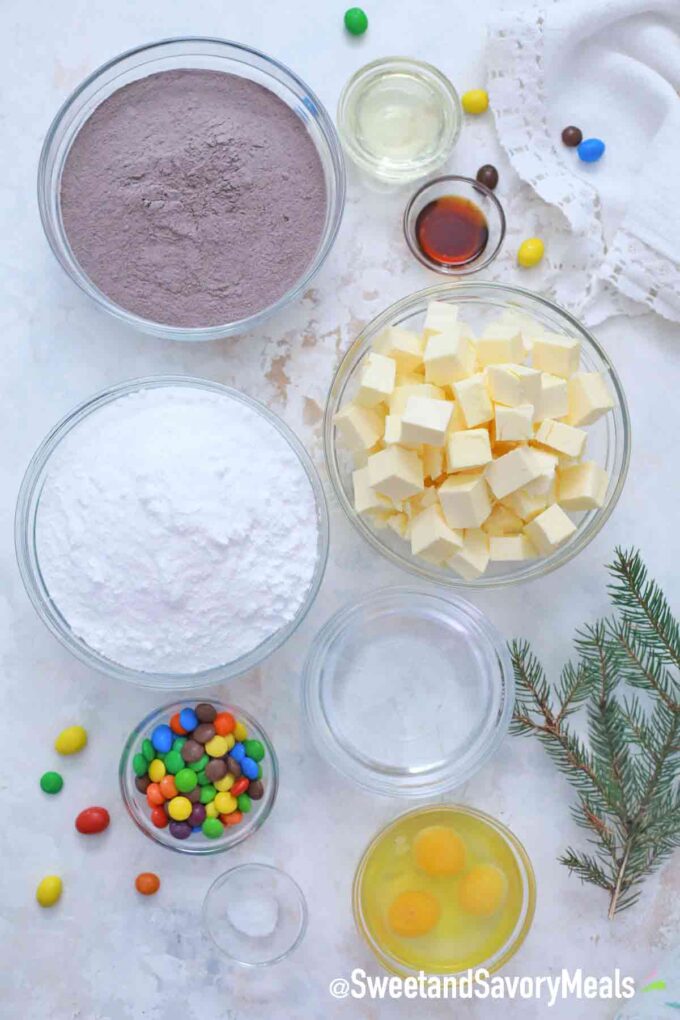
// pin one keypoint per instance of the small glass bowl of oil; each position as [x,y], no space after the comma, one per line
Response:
[454,225]
[443,890]
[399,119]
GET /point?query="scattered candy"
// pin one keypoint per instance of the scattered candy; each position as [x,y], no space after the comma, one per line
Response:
[71,740]
[475,101]
[487,175]
[590,150]
[572,136]
[93,820]
[356,21]
[530,252]
[51,782]
[147,883]
[49,891]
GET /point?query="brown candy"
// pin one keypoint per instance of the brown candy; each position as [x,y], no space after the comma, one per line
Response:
[233,767]
[216,769]
[204,732]
[192,751]
[205,712]
[141,782]
[488,175]
[193,795]
[256,789]
[572,136]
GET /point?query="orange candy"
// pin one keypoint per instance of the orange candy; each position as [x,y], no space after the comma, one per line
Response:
[176,726]
[233,819]
[167,787]
[224,723]
[240,786]
[159,817]
[147,883]
[154,795]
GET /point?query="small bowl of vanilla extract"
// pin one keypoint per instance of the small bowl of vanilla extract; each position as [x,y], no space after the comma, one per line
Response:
[454,225]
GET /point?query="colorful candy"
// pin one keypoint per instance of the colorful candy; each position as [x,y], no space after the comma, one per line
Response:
[52,782]
[590,150]
[488,176]
[93,820]
[147,883]
[572,136]
[49,891]
[475,101]
[530,252]
[162,738]
[356,21]
[71,740]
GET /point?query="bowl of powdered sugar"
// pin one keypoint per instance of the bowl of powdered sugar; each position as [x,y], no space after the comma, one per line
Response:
[171,532]
[192,187]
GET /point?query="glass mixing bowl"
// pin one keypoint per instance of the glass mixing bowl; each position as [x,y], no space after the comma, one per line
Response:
[170,54]
[609,438]
[197,844]
[28,503]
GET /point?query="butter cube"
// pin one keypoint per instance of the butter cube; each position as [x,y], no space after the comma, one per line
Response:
[466,450]
[465,500]
[396,472]
[510,548]
[582,487]
[448,357]
[545,481]
[439,317]
[589,398]
[512,471]
[514,424]
[433,461]
[402,345]
[457,423]
[399,524]
[400,397]
[553,401]
[425,421]
[500,342]
[550,529]
[561,437]
[473,399]
[527,505]
[503,521]
[392,429]
[432,537]
[410,378]
[473,558]
[514,384]
[376,380]
[556,354]
[360,427]
[366,498]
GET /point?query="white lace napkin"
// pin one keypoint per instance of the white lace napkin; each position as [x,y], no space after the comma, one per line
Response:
[611,67]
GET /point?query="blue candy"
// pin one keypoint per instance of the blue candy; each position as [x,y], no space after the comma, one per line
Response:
[238,752]
[196,828]
[591,149]
[162,738]
[188,719]
[249,768]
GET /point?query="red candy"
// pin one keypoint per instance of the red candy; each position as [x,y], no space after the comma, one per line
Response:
[159,817]
[240,786]
[176,726]
[92,820]
[224,723]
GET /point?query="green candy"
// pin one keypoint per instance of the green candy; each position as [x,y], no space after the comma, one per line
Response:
[259,772]
[208,793]
[254,750]
[179,743]
[185,780]
[198,766]
[51,782]
[356,21]
[202,779]
[174,762]
[148,750]
[140,765]
[212,828]
[244,803]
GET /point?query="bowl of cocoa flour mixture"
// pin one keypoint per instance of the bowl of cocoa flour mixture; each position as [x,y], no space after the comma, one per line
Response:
[192,187]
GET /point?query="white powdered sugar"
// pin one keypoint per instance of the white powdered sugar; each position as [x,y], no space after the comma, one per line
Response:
[176,530]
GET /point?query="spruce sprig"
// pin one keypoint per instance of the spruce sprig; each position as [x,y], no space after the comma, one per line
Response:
[626,774]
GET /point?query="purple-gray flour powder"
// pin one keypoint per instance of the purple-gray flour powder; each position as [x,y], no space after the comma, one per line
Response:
[193,198]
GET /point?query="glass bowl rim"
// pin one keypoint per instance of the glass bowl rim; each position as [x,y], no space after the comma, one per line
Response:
[397,310]
[238,834]
[467,268]
[340,757]
[26,551]
[525,867]
[301,900]
[71,266]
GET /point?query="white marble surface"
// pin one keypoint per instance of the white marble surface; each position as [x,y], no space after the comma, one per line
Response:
[105,954]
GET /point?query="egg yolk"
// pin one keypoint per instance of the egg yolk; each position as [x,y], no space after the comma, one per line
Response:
[483,890]
[413,913]
[439,850]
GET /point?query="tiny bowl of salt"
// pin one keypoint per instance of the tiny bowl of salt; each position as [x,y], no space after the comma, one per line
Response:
[171,532]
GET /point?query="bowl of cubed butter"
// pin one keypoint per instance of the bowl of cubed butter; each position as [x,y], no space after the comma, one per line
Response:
[477,434]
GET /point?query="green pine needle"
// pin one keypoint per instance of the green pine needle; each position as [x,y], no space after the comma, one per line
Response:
[626,777]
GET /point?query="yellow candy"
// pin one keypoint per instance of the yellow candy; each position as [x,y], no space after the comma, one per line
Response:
[413,913]
[216,747]
[475,101]
[71,740]
[224,784]
[179,808]
[439,850]
[156,770]
[483,890]
[211,810]
[530,252]
[240,732]
[49,891]
[225,803]
[231,740]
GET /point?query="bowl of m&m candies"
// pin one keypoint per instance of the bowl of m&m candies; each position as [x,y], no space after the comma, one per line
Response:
[198,777]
